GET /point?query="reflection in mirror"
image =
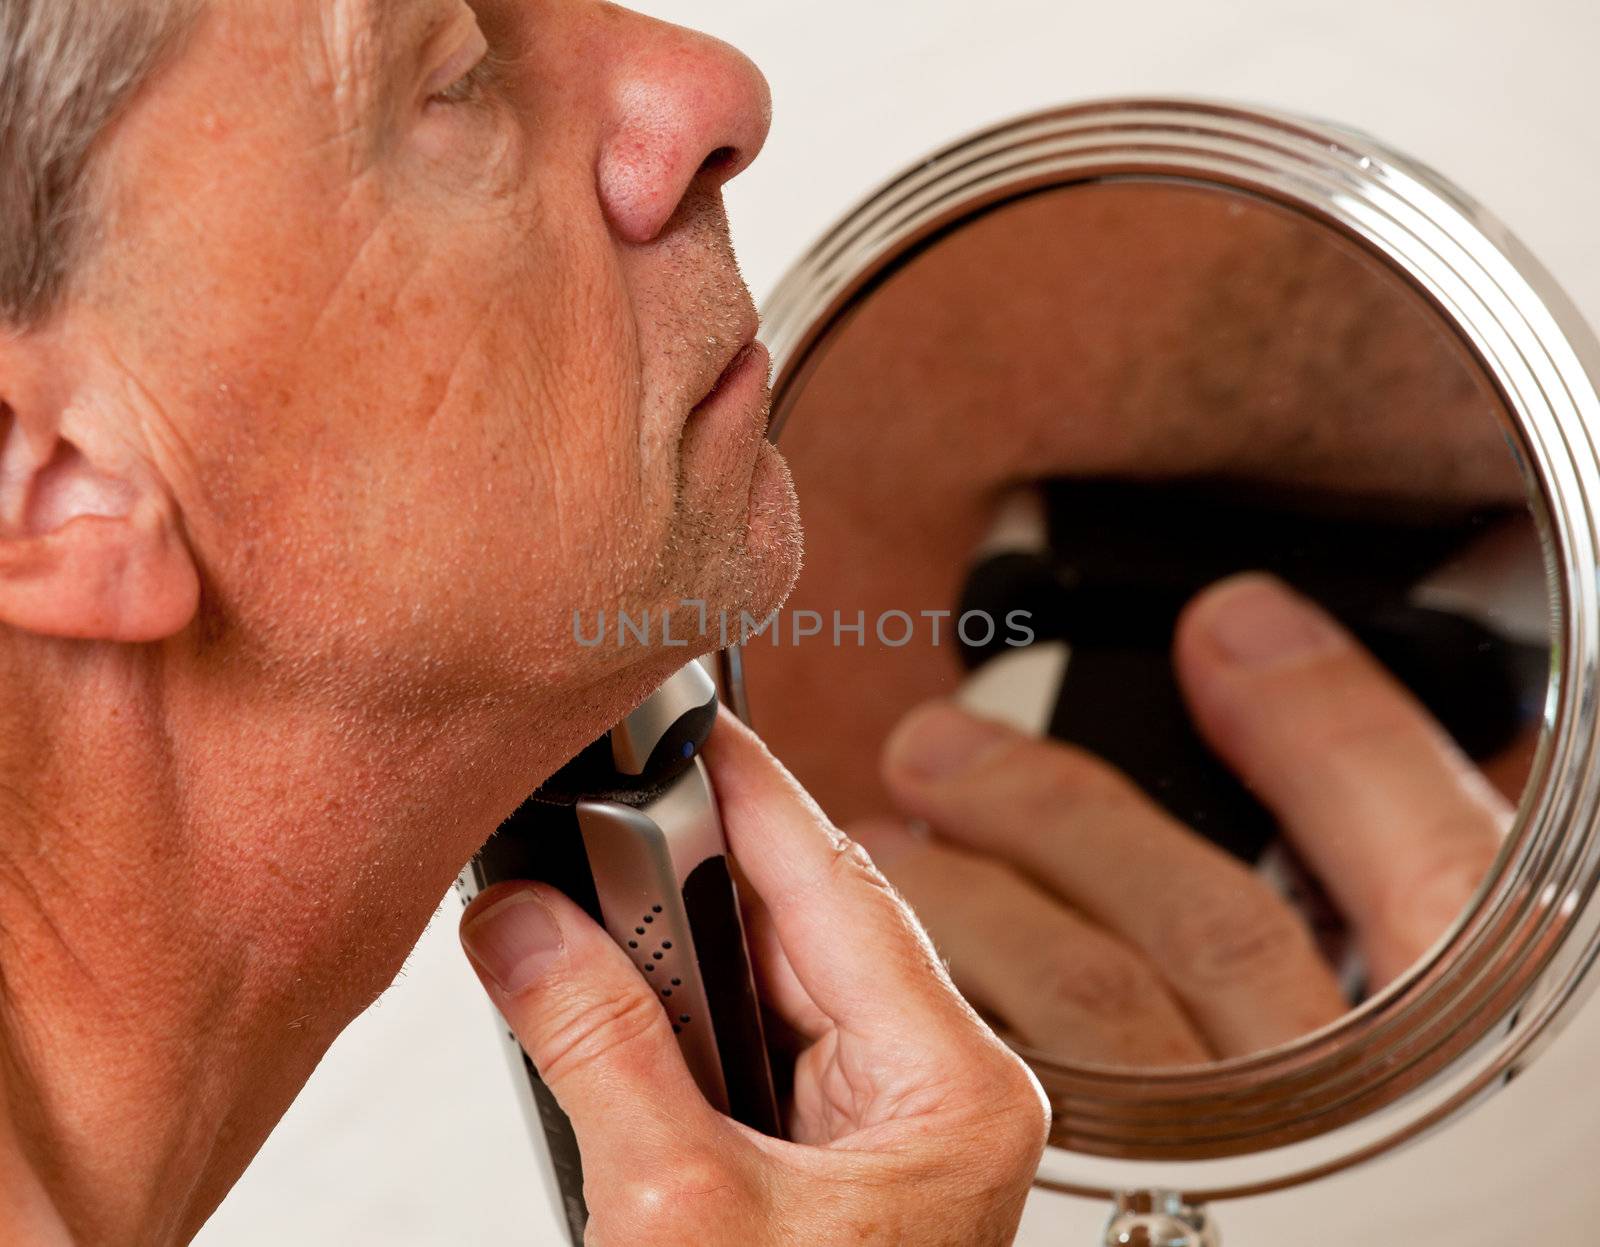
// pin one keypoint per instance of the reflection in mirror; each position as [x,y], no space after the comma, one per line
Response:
[1174,629]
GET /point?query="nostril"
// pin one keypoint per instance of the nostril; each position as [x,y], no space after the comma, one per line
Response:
[720,161]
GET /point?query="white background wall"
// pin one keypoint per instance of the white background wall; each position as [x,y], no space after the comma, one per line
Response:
[406,1136]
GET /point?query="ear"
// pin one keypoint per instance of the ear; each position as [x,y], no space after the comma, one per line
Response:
[88,550]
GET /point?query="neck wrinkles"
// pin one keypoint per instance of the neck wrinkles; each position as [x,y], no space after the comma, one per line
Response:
[198,891]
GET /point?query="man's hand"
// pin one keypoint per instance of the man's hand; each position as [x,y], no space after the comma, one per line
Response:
[1096,928]
[911,1123]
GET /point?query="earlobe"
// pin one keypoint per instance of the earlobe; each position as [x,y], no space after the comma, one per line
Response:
[87,552]
[99,578]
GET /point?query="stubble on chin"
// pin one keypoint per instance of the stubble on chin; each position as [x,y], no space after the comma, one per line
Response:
[737,548]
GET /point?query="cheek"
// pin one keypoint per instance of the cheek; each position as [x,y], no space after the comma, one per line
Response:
[416,434]
[539,475]
[559,402]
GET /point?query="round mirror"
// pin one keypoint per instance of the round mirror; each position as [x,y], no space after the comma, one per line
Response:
[1198,624]
[1187,485]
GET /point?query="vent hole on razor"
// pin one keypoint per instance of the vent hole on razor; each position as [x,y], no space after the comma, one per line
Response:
[666,991]
[684,1018]
[657,956]
[677,1030]
[649,918]
[666,944]
[633,943]
[649,968]
[677,982]
[655,909]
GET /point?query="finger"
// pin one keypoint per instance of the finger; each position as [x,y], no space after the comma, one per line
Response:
[1058,983]
[589,1022]
[780,988]
[1237,958]
[854,946]
[1397,823]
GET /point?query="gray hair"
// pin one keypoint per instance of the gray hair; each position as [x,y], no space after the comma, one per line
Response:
[67,67]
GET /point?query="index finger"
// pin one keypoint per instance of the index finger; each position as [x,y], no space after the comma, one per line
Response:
[1395,821]
[1233,953]
[853,944]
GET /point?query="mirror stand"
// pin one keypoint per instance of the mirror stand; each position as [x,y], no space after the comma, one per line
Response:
[1160,1219]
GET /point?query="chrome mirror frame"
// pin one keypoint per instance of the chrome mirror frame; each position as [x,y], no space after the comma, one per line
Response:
[1517,963]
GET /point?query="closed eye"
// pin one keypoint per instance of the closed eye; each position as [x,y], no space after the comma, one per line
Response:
[461,77]
[467,88]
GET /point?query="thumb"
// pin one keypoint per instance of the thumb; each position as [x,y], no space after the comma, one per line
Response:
[1378,799]
[590,1023]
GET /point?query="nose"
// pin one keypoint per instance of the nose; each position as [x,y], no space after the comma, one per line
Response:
[690,112]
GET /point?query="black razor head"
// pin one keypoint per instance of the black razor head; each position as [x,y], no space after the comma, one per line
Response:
[644,753]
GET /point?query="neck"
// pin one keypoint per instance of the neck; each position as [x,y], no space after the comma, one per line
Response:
[200,886]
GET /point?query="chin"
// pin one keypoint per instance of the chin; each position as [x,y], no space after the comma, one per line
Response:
[735,546]
[770,552]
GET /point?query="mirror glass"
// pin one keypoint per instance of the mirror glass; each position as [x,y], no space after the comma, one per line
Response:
[1218,536]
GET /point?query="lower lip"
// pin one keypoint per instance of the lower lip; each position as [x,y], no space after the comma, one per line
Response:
[742,386]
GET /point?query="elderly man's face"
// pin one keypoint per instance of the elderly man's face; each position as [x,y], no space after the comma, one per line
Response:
[416,305]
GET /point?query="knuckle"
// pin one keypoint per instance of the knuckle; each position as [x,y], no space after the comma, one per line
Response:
[851,860]
[1435,891]
[1007,1113]
[1218,939]
[594,1031]
[851,866]
[1353,722]
[1006,1145]
[1043,776]
[1027,1113]
[1460,866]
[1099,983]
[696,1191]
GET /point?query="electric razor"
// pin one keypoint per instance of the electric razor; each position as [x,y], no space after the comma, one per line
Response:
[630,831]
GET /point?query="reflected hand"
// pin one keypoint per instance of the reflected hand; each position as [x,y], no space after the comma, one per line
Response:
[1097,928]
[911,1122]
